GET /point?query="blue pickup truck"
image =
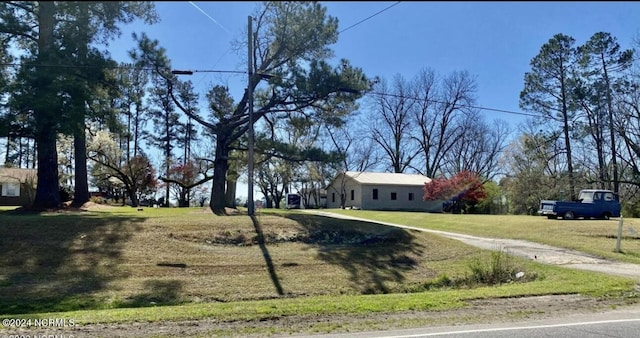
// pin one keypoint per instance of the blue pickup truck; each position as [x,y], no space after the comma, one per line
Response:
[591,203]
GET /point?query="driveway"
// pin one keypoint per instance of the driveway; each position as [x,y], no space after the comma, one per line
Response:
[534,251]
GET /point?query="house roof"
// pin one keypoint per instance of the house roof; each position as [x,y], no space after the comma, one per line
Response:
[17,174]
[387,178]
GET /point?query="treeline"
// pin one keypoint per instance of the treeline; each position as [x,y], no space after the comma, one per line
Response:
[83,119]
[585,132]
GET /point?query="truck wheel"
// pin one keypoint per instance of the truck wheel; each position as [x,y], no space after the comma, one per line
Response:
[568,215]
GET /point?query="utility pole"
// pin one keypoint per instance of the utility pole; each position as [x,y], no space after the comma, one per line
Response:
[250,202]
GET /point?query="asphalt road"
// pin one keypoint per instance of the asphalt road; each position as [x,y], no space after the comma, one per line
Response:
[593,327]
[620,323]
[534,251]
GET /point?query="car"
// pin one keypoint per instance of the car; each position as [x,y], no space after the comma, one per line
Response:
[591,203]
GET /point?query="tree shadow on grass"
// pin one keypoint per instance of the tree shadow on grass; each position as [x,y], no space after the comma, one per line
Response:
[54,262]
[267,257]
[374,255]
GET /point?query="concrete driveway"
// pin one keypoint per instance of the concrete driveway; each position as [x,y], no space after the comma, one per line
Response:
[534,251]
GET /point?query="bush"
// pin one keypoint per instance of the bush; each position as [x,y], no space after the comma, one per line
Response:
[498,270]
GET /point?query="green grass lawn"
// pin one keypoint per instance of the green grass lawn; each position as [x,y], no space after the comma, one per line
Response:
[597,237]
[117,264]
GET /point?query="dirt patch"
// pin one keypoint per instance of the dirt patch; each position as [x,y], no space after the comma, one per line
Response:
[506,310]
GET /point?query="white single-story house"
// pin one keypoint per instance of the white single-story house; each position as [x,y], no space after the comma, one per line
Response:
[17,186]
[380,191]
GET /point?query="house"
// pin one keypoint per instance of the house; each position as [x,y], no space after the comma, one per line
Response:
[17,186]
[380,191]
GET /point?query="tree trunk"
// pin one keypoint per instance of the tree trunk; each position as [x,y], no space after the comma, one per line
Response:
[614,155]
[220,167]
[133,197]
[567,139]
[269,202]
[48,188]
[276,202]
[136,132]
[183,201]
[231,192]
[602,171]
[81,188]
[167,156]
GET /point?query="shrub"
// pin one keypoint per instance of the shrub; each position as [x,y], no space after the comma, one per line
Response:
[498,270]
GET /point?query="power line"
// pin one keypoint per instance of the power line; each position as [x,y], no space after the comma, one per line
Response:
[365,19]
[244,72]
[461,105]
[117,67]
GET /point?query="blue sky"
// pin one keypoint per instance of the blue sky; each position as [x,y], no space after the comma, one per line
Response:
[494,41]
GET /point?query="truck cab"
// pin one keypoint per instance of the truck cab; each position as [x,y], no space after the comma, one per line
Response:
[591,203]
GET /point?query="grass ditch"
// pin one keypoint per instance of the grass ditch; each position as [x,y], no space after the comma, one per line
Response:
[116,264]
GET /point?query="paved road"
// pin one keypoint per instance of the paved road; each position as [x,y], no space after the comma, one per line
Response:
[534,251]
[597,326]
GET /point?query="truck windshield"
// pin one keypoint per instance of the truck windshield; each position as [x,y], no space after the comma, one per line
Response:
[586,196]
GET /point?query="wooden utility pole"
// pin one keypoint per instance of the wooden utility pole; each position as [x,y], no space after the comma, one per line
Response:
[250,206]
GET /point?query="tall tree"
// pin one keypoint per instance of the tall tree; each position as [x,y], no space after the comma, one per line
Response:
[188,130]
[479,148]
[189,99]
[132,82]
[548,90]
[441,108]
[299,77]
[165,118]
[604,61]
[166,121]
[43,32]
[391,126]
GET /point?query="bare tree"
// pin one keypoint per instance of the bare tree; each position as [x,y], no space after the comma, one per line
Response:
[358,151]
[439,113]
[391,126]
[480,147]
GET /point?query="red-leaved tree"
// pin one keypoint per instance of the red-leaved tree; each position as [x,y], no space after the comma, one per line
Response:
[460,192]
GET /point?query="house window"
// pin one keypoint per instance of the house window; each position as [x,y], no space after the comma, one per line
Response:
[375,194]
[333,197]
[11,189]
[394,196]
[410,196]
[352,195]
